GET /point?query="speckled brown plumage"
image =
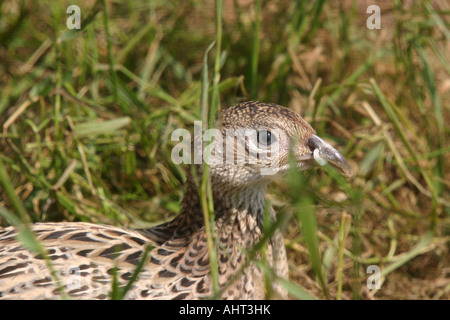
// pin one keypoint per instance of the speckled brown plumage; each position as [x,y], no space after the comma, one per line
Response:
[84,255]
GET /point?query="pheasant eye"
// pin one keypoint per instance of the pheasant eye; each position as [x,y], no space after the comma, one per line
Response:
[265,137]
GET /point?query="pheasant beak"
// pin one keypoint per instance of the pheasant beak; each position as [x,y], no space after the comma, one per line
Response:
[322,153]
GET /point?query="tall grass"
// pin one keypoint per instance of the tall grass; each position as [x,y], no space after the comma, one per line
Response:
[86,117]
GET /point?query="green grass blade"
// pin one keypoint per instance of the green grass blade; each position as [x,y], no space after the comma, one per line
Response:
[93,129]
[305,214]
[255,51]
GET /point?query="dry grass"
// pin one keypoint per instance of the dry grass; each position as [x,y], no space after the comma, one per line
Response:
[380,96]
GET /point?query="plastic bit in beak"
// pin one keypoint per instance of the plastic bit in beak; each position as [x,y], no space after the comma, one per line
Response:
[321,161]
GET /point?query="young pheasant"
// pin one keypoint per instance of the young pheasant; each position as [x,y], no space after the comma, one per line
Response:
[85,255]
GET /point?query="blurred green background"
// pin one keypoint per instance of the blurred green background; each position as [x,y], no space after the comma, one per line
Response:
[86,118]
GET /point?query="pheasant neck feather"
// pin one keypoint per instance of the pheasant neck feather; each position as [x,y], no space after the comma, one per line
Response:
[243,209]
